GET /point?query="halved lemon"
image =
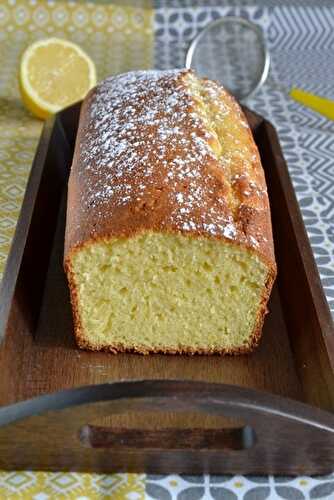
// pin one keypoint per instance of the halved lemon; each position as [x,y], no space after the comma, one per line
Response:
[54,73]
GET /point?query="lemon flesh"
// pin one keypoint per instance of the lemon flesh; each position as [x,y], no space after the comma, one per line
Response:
[54,73]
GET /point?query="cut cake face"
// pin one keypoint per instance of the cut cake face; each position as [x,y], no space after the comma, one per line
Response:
[168,293]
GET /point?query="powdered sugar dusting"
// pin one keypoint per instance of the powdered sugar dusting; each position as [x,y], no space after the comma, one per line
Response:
[137,126]
[144,141]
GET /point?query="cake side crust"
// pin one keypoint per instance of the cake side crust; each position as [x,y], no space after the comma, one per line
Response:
[179,183]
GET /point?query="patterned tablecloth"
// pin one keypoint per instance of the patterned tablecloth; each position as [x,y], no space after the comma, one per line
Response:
[131,34]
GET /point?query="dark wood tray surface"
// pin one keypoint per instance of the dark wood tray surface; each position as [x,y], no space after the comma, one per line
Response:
[114,425]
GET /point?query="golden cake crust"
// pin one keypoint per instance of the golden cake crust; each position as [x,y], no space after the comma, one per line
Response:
[149,157]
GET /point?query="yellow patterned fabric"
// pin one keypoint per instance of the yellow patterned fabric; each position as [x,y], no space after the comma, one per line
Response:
[119,37]
[54,485]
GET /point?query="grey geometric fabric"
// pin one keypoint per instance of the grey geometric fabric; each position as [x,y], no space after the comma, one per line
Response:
[306,137]
[175,487]
[300,37]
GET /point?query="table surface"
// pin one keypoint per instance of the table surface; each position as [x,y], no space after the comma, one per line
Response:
[123,36]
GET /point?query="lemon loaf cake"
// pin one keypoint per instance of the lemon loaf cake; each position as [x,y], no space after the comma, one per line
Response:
[168,244]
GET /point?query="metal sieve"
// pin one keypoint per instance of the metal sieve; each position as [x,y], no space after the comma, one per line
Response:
[233,51]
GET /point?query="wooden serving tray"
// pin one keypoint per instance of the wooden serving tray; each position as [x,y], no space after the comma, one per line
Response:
[66,409]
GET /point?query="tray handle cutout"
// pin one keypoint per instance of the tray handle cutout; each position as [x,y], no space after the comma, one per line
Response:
[240,438]
[286,438]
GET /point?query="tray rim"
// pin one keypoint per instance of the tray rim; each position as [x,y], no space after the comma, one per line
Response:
[16,251]
[14,260]
[305,250]
[242,397]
